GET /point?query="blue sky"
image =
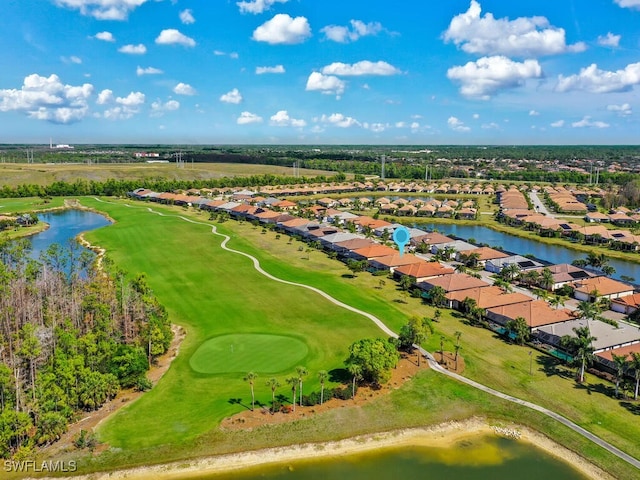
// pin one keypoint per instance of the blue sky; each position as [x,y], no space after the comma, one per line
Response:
[320,72]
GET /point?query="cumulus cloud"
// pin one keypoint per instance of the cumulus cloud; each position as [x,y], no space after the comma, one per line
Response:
[592,79]
[124,107]
[184,89]
[342,34]
[220,53]
[282,119]
[105,97]
[488,75]
[340,120]
[327,84]
[557,124]
[276,69]
[587,122]
[283,29]
[629,3]
[186,16]
[158,108]
[233,96]
[457,125]
[365,67]
[47,98]
[148,71]
[103,9]
[257,6]
[524,36]
[609,40]
[623,110]
[246,118]
[105,36]
[134,99]
[171,36]
[139,49]
[375,127]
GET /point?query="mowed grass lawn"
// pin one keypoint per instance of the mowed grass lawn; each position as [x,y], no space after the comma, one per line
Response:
[432,398]
[28,204]
[212,292]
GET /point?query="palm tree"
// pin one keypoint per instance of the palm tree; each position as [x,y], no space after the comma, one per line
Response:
[437,295]
[557,300]
[608,270]
[635,364]
[461,268]
[273,383]
[510,271]
[546,279]
[620,362]
[293,381]
[251,378]
[589,311]
[520,329]
[356,373]
[458,334]
[581,347]
[322,377]
[597,260]
[301,372]
[468,304]
[505,286]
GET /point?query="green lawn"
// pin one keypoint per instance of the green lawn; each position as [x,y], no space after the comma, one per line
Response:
[18,205]
[212,293]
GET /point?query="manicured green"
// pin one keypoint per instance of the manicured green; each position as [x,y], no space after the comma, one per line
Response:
[212,292]
[28,204]
[240,353]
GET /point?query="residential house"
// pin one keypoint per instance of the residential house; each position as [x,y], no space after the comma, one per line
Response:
[419,272]
[391,262]
[627,304]
[485,297]
[607,337]
[496,265]
[593,288]
[453,282]
[536,313]
[564,273]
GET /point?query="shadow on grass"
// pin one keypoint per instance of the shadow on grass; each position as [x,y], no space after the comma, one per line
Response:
[631,407]
[339,375]
[553,367]
[348,275]
[238,401]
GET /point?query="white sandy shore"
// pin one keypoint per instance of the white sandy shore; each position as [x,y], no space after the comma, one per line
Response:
[435,436]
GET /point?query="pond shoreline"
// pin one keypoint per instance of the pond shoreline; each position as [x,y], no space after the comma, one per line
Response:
[442,435]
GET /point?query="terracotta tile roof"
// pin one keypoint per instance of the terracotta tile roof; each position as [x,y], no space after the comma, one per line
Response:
[424,269]
[374,251]
[604,286]
[356,243]
[396,260]
[486,253]
[628,300]
[296,222]
[455,281]
[535,313]
[622,351]
[487,297]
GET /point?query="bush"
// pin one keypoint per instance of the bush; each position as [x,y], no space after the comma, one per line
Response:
[85,440]
[312,399]
[143,384]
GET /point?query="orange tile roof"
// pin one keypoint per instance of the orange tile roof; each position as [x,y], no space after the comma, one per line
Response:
[487,297]
[424,269]
[456,281]
[604,286]
[623,351]
[375,251]
[536,313]
[486,253]
[397,260]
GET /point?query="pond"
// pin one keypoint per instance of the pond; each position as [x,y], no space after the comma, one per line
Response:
[523,246]
[64,226]
[477,458]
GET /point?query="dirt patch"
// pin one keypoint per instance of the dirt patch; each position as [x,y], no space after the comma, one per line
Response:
[91,420]
[247,420]
[449,361]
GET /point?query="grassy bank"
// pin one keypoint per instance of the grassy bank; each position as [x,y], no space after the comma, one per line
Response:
[212,292]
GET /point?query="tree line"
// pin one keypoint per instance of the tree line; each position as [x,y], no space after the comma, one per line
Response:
[70,338]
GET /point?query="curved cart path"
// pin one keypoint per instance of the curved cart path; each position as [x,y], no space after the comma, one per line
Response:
[432,362]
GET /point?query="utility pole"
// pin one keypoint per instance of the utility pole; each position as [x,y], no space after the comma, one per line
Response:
[179,161]
[382,172]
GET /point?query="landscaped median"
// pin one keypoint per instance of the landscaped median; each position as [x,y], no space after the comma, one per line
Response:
[212,292]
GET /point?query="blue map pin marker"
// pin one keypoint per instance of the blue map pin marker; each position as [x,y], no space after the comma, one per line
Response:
[401,236]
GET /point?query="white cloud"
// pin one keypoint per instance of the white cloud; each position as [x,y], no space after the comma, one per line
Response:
[257,6]
[220,53]
[171,36]
[365,67]
[358,29]
[592,79]
[234,55]
[524,36]
[158,108]
[476,116]
[282,29]
[233,96]
[282,119]
[72,59]
[327,84]
[186,16]
[134,99]
[400,124]
[415,126]
[103,9]
[629,3]
[587,122]
[488,75]
[457,125]
[276,69]
[184,89]
[105,36]
[557,124]
[47,98]
[533,113]
[623,110]
[148,71]
[609,40]
[139,49]
[375,127]
[490,126]
[340,120]
[246,118]
[104,97]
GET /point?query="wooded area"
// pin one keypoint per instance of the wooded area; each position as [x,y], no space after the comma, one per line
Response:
[70,337]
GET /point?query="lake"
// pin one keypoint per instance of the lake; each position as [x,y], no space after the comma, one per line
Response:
[523,246]
[64,226]
[477,458]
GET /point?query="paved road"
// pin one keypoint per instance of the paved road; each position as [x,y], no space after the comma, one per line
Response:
[432,362]
[538,205]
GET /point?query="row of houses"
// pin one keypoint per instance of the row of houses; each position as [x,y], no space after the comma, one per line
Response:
[564,200]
